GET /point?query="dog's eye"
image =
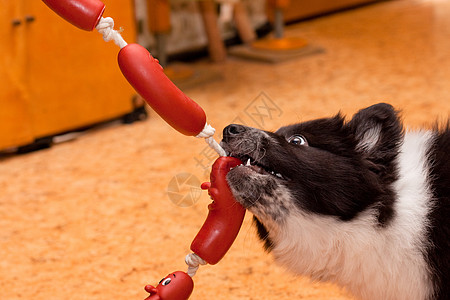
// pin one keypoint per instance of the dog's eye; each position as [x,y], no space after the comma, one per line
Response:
[298,140]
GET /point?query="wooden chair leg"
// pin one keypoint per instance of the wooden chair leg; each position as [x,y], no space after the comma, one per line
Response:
[216,47]
[243,25]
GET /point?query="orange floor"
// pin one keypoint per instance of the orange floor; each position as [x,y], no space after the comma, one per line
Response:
[91,219]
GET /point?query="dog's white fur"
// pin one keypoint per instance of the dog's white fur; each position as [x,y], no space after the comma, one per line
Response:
[359,254]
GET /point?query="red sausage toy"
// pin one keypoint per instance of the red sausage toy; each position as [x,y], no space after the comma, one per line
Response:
[175,286]
[225,215]
[141,70]
[84,14]
[146,75]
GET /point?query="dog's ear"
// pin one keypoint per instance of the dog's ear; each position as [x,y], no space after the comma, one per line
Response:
[378,132]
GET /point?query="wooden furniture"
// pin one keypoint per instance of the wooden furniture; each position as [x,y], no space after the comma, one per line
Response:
[299,9]
[158,13]
[216,46]
[56,78]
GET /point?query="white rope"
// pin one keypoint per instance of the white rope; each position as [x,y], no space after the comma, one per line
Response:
[207,134]
[106,28]
[193,261]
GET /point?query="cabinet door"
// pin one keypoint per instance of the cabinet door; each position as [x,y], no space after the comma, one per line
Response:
[72,75]
[15,123]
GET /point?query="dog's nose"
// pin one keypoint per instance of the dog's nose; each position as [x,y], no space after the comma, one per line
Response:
[232,130]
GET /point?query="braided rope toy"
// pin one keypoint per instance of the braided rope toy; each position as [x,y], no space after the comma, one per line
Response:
[146,75]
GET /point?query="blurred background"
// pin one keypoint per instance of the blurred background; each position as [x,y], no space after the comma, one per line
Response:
[99,196]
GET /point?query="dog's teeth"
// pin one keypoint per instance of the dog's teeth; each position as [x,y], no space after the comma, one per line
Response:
[248,163]
[279,175]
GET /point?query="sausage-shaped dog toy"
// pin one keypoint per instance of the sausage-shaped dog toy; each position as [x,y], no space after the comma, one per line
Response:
[141,70]
[225,215]
[84,14]
[146,75]
[175,286]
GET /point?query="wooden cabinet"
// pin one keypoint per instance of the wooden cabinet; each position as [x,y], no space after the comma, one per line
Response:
[55,77]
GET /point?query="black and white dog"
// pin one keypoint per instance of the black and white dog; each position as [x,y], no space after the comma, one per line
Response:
[361,203]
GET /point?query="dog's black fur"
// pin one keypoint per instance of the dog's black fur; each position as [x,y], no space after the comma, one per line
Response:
[438,252]
[338,169]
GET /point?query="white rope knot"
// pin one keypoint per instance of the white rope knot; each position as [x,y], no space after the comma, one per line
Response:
[106,28]
[193,261]
[207,133]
